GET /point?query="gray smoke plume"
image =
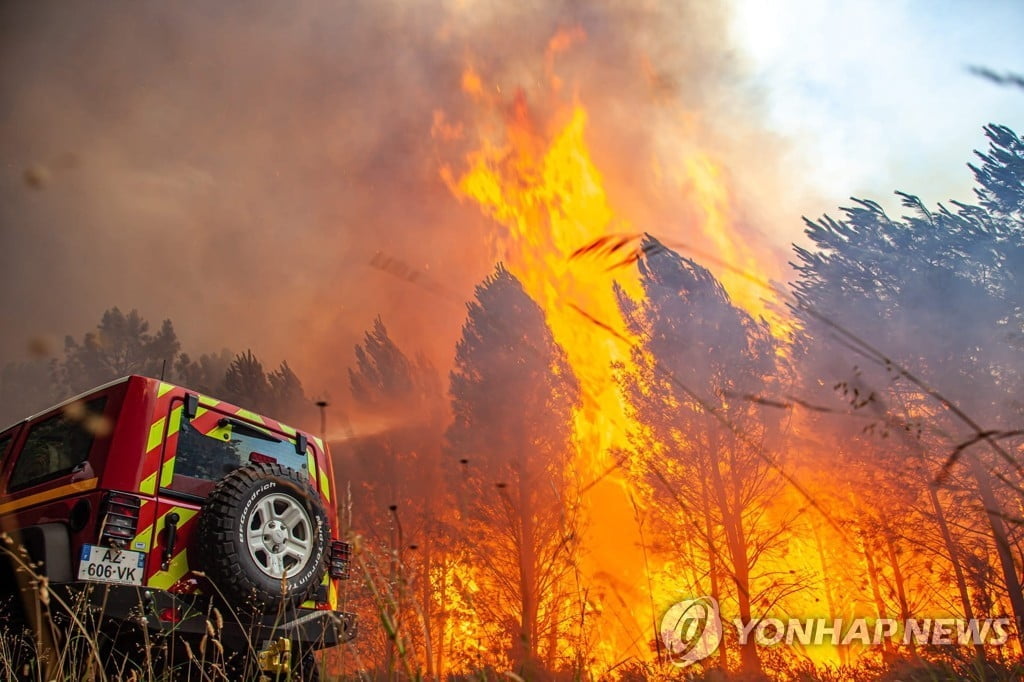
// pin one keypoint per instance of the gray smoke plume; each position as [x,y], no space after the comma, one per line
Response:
[236,166]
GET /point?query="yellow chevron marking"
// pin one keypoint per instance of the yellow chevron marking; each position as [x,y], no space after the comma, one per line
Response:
[251,416]
[312,603]
[178,566]
[176,570]
[319,443]
[220,432]
[325,486]
[166,472]
[332,594]
[62,491]
[185,514]
[167,468]
[141,540]
[163,389]
[156,434]
[148,484]
[175,421]
[311,466]
[287,430]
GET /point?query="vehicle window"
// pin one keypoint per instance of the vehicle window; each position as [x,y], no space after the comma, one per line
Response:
[232,444]
[4,442]
[54,447]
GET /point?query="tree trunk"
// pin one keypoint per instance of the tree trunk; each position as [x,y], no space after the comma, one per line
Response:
[716,590]
[442,621]
[897,576]
[732,522]
[876,593]
[995,519]
[527,644]
[958,569]
[426,610]
[841,650]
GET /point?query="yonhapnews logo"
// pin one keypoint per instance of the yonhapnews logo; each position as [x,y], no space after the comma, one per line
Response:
[691,630]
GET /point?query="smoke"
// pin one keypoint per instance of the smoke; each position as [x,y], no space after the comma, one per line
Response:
[237,166]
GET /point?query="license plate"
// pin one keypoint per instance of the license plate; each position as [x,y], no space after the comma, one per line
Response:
[109,565]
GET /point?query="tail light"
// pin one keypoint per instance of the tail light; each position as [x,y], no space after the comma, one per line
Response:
[120,519]
[341,554]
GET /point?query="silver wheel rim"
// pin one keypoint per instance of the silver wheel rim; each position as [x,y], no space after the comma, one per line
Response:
[279,535]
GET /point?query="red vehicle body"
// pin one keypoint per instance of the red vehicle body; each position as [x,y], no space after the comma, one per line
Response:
[116,493]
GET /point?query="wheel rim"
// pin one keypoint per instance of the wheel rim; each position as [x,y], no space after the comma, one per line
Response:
[279,535]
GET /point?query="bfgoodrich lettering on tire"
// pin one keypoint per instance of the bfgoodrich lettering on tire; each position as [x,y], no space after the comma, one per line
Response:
[264,537]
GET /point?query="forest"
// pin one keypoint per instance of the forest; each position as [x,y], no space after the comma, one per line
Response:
[617,432]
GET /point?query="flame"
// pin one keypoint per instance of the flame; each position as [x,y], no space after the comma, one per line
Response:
[703,183]
[549,196]
[538,182]
[551,200]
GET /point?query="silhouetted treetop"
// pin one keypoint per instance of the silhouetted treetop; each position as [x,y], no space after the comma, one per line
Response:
[1001,173]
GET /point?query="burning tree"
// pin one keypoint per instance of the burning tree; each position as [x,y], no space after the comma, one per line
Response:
[918,322]
[510,447]
[704,451]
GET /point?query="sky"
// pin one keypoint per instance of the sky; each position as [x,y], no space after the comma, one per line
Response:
[876,95]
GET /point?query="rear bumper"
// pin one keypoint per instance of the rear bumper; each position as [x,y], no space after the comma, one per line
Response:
[192,616]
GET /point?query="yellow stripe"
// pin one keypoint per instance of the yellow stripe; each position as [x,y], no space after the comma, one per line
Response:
[311,466]
[175,421]
[325,486]
[176,570]
[178,566]
[141,540]
[332,595]
[319,443]
[148,484]
[312,603]
[156,435]
[219,432]
[251,416]
[166,472]
[167,468]
[184,516]
[163,388]
[63,491]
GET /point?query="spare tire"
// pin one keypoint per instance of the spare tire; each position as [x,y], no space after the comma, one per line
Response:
[264,537]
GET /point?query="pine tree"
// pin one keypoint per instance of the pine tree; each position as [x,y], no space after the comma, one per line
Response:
[121,345]
[919,322]
[395,479]
[245,383]
[706,450]
[513,395]
[206,374]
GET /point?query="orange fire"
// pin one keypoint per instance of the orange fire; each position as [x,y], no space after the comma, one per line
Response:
[533,173]
[539,182]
